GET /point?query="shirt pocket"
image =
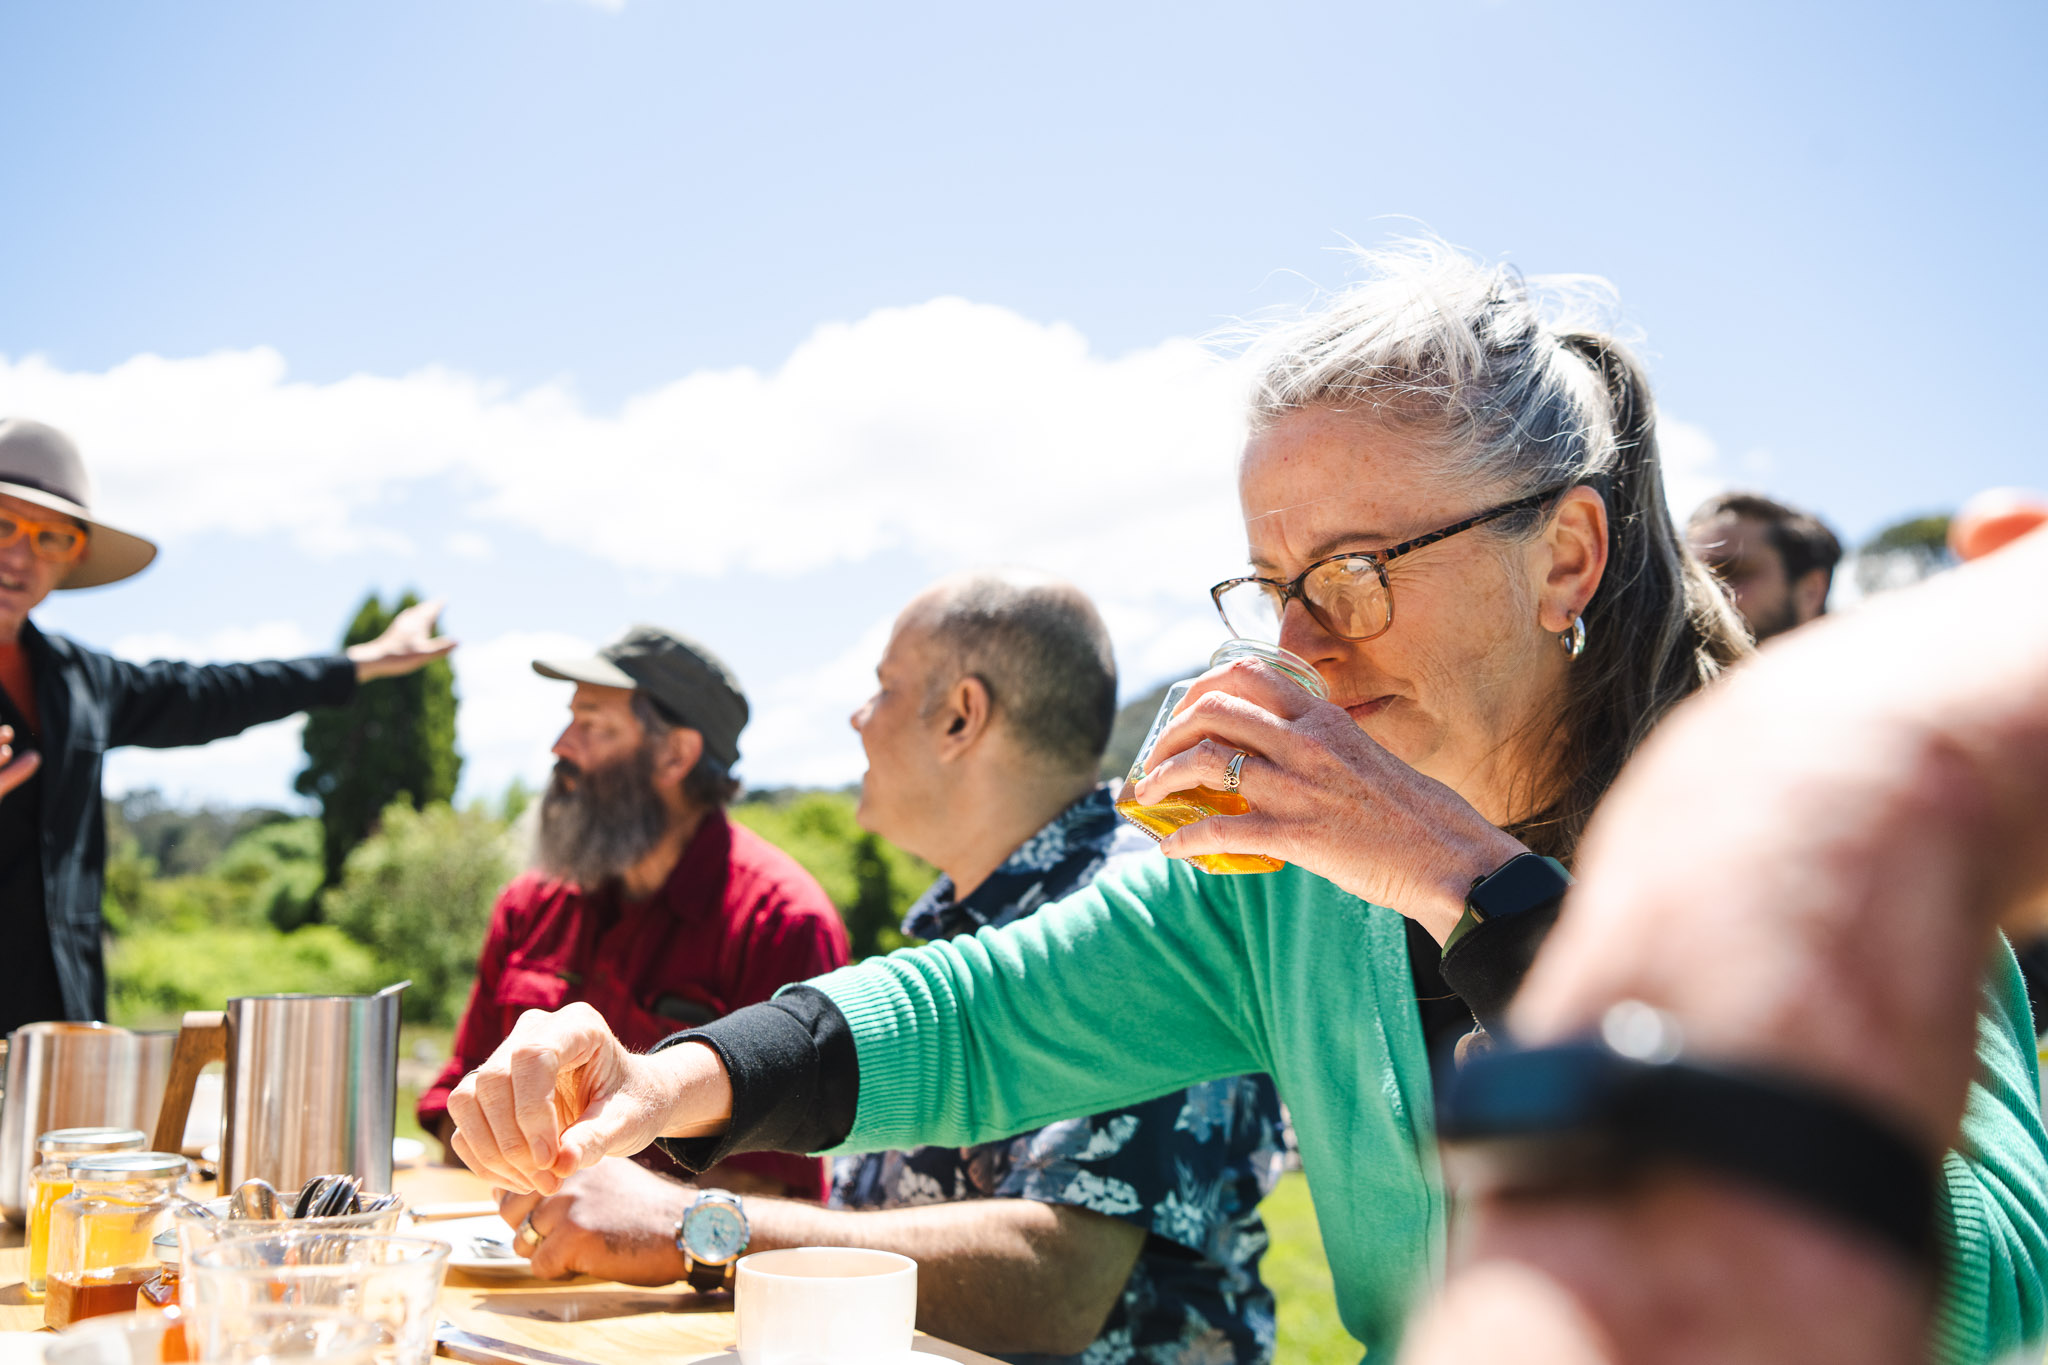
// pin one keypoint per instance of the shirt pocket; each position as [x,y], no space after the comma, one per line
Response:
[523,988]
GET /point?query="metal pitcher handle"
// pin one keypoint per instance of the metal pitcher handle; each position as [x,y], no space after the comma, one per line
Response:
[202,1038]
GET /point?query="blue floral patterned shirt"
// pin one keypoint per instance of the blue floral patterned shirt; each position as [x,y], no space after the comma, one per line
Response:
[1190,1168]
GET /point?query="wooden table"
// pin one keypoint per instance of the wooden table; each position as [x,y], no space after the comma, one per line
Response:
[594,1320]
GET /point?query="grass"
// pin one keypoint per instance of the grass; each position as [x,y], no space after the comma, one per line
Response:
[1299,1276]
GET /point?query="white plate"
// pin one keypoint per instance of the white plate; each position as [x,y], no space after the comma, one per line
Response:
[460,1233]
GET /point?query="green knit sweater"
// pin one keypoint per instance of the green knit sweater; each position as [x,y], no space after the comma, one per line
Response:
[1158,976]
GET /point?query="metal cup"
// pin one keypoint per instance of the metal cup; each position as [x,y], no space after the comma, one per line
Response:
[311,1086]
[62,1075]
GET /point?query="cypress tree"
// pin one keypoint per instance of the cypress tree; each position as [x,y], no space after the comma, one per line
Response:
[395,738]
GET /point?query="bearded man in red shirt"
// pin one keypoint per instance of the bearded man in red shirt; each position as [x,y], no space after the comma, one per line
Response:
[648,903]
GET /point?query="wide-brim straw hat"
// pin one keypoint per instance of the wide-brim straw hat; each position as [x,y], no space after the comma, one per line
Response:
[39,464]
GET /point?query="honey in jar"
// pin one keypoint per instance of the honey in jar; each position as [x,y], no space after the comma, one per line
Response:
[101,1233]
[1183,808]
[51,1181]
[73,1296]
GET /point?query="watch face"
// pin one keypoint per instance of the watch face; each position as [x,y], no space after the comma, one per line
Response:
[714,1231]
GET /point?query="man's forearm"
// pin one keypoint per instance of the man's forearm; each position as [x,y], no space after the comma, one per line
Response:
[1887,805]
[994,1275]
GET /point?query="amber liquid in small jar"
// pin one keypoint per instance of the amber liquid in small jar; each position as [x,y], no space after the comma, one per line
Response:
[102,1234]
[1182,808]
[51,1181]
[83,1294]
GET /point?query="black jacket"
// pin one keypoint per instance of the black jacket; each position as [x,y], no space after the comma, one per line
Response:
[53,834]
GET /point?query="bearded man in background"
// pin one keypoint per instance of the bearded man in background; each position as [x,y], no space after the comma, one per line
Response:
[648,904]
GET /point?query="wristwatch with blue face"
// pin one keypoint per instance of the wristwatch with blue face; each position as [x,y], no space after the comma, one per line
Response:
[712,1236]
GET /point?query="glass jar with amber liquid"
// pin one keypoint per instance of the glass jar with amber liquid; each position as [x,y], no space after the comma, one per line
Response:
[1197,803]
[51,1181]
[101,1232]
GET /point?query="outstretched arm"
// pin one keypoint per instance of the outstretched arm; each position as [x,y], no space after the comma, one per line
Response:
[166,704]
[407,645]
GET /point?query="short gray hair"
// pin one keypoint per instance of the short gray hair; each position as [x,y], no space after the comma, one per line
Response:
[1042,651]
[1458,354]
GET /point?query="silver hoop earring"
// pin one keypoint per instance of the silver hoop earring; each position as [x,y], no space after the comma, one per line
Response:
[1574,640]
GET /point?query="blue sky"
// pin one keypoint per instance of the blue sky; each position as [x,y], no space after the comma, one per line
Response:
[751,319]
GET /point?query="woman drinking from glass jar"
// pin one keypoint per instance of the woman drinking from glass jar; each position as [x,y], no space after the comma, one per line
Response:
[1455,514]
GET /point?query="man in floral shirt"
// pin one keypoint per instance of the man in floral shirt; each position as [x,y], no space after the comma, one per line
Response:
[1188,1168]
[1024,669]
[1128,1236]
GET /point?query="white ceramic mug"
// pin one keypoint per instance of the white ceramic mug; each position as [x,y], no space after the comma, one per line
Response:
[825,1306]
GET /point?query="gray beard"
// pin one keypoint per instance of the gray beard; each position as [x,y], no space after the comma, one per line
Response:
[608,820]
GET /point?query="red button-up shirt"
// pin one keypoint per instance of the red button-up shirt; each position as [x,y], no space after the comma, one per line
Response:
[737,920]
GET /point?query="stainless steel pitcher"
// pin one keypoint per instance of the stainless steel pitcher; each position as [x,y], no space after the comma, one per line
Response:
[62,1075]
[311,1088]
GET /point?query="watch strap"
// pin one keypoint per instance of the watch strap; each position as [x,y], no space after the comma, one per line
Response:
[1507,916]
[1581,1114]
[706,1278]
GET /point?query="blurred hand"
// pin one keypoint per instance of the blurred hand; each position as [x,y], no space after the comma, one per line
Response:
[15,770]
[1827,916]
[616,1221]
[561,1094]
[1323,794]
[407,644]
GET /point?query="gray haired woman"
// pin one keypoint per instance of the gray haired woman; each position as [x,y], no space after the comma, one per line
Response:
[1455,513]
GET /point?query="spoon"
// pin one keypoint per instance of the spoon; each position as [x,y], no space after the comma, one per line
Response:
[253,1198]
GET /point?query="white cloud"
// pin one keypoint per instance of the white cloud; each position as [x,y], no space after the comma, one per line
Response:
[470,545]
[959,431]
[509,715]
[1692,466]
[270,640]
[799,733]
[951,433]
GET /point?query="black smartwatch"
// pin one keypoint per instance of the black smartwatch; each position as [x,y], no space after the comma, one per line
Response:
[1590,1116]
[1508,914]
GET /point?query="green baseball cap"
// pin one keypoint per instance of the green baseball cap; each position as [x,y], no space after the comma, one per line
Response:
[680,676]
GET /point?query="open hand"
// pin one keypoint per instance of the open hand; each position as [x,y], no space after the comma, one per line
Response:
[407,644]
[1323,794]
[561,1094]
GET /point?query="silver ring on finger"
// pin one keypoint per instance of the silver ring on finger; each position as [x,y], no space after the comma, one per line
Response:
[529,1236]
[1235,771]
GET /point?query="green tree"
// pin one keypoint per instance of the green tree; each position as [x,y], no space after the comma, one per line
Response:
[418,894]
[395,738]
[1904,553]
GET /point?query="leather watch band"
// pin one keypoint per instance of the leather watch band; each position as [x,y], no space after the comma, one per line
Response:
[1585,1116]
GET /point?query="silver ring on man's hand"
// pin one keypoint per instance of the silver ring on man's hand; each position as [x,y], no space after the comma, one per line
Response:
[1234,771]
[530,1235]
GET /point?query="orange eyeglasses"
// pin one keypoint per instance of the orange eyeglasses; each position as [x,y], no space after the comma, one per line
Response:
[58,542]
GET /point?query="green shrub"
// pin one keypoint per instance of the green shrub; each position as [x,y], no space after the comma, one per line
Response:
[156,974]
[278,870]
[418,892]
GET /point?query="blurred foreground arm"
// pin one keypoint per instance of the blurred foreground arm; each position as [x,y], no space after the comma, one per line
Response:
[1832,922]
